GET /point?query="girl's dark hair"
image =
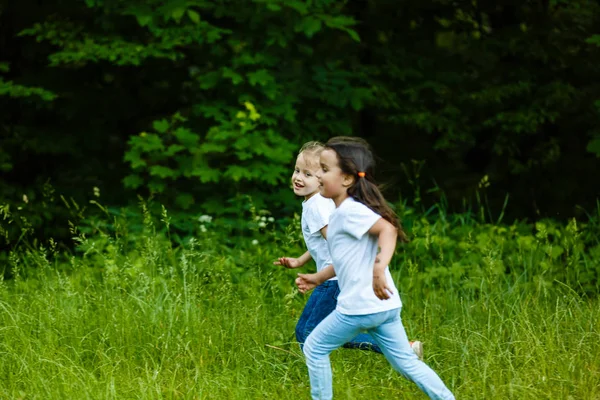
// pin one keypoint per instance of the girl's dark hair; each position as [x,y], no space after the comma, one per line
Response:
[354,156]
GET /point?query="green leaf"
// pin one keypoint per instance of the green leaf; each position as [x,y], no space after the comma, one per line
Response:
[184,200]
[273,7]
[234,76]
[132,181]
[207,148]
[14,90]
[161,126]
[261,77]
[145,142]
[162,172]
[6,166]
[194,16]
[309,25]
[299,6]
[186,137]
[594,146]
[209,80]
[144,20]
[135,160]
[177,13]
[554,251]
[237,173]
[206,174]
[150,142]
[173,149]
[339,21]
[353,34]
[209,111]
[595,39]
[156,187]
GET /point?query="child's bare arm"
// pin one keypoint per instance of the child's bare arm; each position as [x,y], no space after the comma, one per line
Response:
[324,232]
[387,234]
[290,262]
[306,282]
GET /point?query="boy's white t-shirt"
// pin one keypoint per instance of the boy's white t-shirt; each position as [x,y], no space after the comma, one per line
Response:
[353,253]
[315,216]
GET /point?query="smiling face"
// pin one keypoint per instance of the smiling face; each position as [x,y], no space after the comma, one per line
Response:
[334,183]
[304,178]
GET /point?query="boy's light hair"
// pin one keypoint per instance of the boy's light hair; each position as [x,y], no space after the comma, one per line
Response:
[311,149]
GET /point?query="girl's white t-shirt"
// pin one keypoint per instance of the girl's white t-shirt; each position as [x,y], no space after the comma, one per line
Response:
[353,251]
[315,216]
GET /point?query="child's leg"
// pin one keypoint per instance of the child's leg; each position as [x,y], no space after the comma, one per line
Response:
[363,341]
[392,339]
[319,305]
[335,330]
[328,302]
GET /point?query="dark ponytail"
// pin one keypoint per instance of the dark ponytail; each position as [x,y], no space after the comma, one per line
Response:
[356,159]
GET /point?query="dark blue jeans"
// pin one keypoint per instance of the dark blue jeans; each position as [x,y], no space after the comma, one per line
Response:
[320,304]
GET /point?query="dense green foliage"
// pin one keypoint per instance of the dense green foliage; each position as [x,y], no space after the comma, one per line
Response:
[502,310]
[196,102]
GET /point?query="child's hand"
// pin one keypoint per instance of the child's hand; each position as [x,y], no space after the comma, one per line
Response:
[380,287]
[306,282]
[288,262]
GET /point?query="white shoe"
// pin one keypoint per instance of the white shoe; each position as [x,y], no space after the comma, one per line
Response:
[417,347]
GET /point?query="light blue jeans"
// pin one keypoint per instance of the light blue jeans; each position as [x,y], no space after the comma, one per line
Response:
[320,304]
[387,330]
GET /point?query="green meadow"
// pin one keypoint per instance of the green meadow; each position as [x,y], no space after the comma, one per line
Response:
[504,312]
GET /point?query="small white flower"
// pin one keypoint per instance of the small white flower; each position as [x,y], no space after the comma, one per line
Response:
[255,242]
[205,218]
[202,228]
[271,219]
[96,191]
[263,219]
[25,199]
[262,224]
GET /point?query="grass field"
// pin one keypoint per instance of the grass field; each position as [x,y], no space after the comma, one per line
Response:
[134,318]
